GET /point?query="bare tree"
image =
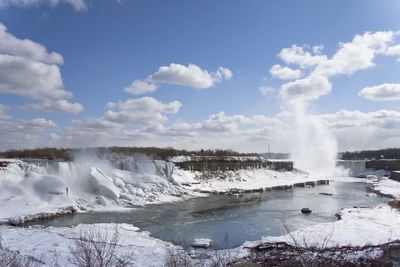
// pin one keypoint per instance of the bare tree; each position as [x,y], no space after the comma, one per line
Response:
[177,257]
[94,248]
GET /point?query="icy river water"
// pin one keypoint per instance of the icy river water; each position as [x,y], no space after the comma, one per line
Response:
[231,220]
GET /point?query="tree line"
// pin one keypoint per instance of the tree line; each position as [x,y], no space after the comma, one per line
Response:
[51,153]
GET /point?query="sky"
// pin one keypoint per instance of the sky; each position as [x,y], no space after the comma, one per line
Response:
[239,75]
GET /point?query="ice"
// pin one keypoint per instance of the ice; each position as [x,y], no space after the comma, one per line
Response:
[103,185]
[45,188]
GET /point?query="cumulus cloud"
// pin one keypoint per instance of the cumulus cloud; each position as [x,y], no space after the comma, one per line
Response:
[382,92]
[177,74]
[191,76]
[297,55]
[357,54]
[79,5]
[61,106]
[284,73]
[21,133]
[353,56]
[40,70]
[140,87]
[25,48]
[141,111]
[40,80]
[309,88]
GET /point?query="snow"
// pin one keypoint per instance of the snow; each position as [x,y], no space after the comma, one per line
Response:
[177,159]
[42,243]
[103,185]
[388,187]
[357,227]
[252,179]
[33,190]
[29,191]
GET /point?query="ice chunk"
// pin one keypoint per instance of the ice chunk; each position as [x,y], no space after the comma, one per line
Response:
[103,184]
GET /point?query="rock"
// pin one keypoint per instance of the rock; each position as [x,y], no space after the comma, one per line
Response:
[306,211]
[202,243]
[395,204]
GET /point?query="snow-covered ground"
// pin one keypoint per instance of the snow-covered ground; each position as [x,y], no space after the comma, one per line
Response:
[33,190]
[357,227]
[249,180]
[387,187]
[44,244]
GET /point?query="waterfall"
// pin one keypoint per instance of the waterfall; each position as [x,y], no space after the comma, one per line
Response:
[354,167]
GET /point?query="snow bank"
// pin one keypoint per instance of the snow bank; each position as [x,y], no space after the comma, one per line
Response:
[42,243]
[251,179]
[387,187]
[357,227]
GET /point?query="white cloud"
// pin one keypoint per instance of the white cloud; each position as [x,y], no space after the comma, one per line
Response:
[21,133]
[284,73]
[142,111]
[62,106]
[382,92]
[140,87]
[393,50]
[350,57]
[223,74]
[40,80]
[191,75]
[25,48]
[177,74]
[266,89]
[309,88]
[296,55]
[357,54]
[40,70]
[79,5]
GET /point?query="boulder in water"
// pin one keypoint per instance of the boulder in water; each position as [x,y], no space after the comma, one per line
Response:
[306,211]
[202,243]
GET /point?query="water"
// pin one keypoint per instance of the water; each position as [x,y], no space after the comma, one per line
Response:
[231,220]
[355,167]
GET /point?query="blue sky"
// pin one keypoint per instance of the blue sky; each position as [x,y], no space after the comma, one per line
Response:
[106,45]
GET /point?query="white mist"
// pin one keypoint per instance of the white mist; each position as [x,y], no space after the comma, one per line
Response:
[313,146]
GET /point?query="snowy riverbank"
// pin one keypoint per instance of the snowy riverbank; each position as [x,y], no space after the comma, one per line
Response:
[53,244]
